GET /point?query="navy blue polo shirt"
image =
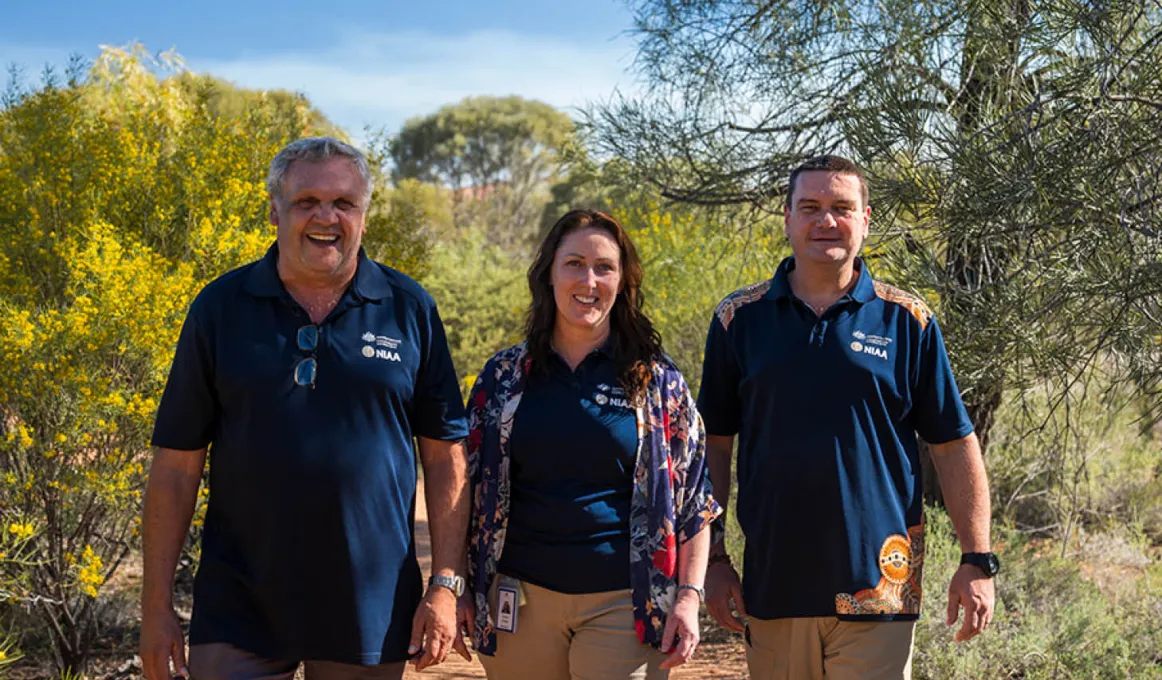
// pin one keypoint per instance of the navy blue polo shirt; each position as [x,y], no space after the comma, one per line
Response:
[573,450]
[827,409]
[307,551]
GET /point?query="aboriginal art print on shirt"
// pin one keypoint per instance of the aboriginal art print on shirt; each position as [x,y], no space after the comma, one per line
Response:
[740,298]
[901,563]
[913,304]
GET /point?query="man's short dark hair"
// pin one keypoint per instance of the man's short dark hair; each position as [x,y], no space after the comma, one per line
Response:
[827,163]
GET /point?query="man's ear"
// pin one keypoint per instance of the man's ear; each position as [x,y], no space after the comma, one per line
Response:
[273,212]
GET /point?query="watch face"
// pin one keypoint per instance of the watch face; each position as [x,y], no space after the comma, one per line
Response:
[453,583]
[986,562]
[992,564]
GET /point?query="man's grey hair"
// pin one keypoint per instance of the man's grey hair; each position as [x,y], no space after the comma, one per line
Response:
[316,150]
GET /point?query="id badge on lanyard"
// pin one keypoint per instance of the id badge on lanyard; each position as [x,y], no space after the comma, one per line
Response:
[507,606]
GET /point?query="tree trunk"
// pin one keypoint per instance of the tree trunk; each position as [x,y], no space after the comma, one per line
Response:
[988,72]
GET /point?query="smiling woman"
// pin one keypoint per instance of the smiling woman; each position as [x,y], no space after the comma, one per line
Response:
[569,430]
[585,284]
[585,278]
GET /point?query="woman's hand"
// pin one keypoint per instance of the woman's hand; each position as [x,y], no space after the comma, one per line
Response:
[683,624]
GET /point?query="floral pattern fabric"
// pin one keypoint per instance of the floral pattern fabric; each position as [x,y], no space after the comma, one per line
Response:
[670,504]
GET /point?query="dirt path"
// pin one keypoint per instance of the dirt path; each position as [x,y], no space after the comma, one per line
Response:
[721,657]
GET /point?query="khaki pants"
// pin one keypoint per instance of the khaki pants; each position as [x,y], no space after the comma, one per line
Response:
[818,648]
[572,637]
[221,661]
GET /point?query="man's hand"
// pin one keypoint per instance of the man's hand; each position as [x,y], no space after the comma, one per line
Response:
[170,496]
[970,589]
[434,627]
[722,588]
[966,496]
[162,642]
[682,622]
[465,621]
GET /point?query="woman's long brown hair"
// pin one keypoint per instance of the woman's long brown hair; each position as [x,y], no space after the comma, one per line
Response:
[635,340]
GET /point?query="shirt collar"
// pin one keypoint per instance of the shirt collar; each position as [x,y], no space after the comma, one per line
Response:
[370,282]
[864,290]
[604,351]
[263,280]
[865,286]
[781,283]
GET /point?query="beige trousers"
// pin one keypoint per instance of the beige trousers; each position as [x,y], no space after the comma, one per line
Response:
[221,661]
[819,648]
[572,637]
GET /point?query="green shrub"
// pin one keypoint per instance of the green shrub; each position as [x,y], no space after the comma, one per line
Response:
[1084,466]
[482,295]
[1052,620]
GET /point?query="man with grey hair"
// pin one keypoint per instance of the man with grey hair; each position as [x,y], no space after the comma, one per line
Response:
[307,375]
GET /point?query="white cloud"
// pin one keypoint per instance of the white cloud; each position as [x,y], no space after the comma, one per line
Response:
[383,79]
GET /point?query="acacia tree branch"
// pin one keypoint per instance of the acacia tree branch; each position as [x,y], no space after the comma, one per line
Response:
[1153,103]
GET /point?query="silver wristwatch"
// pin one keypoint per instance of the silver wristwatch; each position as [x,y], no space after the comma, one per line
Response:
[453,583]
[697,589]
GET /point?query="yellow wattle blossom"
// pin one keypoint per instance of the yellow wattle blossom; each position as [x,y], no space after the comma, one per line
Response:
[89,575]
[25,436]
[467,384]
[129,192]
[21,531]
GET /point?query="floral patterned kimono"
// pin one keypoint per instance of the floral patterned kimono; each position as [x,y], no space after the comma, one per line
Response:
[671,499]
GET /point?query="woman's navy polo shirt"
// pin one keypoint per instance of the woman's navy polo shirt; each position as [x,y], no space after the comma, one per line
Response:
[573,447]
[307,551]
[828,409]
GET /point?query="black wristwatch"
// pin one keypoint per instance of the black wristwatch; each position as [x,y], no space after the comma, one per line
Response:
[986,562]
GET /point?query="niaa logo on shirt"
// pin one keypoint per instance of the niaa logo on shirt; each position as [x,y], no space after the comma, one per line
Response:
[874,345]
[383,350]
[616,396]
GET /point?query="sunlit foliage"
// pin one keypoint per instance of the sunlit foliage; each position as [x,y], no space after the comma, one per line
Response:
[124,187]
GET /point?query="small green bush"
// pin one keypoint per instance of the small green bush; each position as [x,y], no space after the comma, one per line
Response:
[1052,620]
[482,296]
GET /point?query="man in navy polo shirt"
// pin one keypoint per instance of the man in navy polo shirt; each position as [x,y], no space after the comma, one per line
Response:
[827,376]
[307,375]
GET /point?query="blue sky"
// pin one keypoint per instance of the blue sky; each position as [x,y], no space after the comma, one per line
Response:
[363,62]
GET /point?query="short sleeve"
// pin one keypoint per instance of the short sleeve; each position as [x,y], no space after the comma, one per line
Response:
[718,400]
[437,408]
[188,413]
[938,412]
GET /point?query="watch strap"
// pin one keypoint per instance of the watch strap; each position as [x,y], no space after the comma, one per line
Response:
[453,583]
[987,562]
[698,589]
